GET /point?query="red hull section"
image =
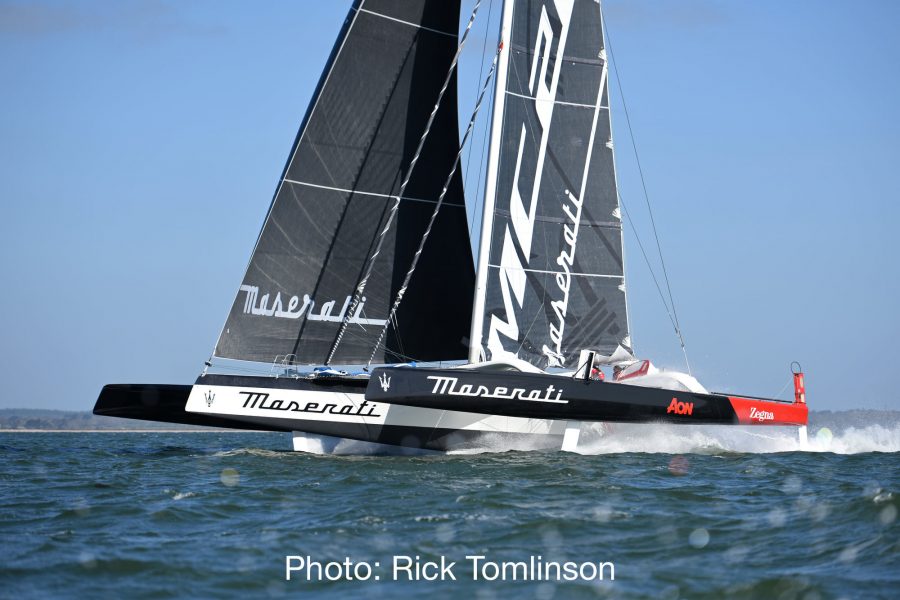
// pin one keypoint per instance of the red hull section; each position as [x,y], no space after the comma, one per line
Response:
[752,411]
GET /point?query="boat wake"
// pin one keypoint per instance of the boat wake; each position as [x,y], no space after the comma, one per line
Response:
[672,439]
[838,433]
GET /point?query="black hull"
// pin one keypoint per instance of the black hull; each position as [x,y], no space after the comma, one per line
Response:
[438,409]
[160,403]
[167,404]
[542,396]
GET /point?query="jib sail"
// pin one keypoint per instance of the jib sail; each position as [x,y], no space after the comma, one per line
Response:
[346,166]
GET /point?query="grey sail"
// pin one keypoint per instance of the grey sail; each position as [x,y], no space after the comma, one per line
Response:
[551,276]
[349,158]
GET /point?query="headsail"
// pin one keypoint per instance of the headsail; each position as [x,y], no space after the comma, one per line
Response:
[550,273]
[346,165]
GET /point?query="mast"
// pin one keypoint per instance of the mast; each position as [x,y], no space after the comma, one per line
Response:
[629,339]
[490,186]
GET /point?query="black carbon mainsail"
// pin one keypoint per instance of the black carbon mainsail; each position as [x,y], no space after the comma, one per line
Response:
[345,168]
[551,275]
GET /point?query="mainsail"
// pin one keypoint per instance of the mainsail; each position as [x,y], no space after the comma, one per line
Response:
[345,168]
[550,273]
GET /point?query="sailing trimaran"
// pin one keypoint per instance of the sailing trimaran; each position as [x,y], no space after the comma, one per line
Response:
[370,211]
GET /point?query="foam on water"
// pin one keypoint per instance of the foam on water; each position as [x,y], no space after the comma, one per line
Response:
[248,451]
[674,439]
[615,438]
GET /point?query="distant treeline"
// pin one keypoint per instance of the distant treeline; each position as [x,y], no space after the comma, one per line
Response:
[27,418]
[861,417]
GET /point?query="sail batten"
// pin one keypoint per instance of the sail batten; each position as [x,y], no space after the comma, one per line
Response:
[416,25]
[365,193]
[559,102]
[572,273]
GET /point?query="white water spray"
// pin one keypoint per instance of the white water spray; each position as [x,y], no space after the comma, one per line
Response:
[674,439]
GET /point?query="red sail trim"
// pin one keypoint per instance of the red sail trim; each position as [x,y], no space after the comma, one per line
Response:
[764,412]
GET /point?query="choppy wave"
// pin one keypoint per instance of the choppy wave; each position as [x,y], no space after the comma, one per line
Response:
[694,512]
[249,452]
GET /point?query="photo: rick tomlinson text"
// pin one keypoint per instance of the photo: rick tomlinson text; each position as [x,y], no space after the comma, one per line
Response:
[401,299]
[474,567]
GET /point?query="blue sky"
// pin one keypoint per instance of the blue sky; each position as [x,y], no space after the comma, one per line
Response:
[140,143]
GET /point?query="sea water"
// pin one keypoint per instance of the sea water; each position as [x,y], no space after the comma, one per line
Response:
[665,512]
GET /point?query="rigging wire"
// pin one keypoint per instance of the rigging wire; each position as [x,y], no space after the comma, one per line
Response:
[781,391]
[437,207]
[357,295]
[482,187]
[674,312]
[487,24]
[662,296]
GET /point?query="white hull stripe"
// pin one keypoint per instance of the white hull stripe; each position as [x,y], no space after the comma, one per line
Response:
[350,409]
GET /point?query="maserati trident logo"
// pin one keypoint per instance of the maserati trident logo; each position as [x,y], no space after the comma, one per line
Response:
[385,382]
[210,396]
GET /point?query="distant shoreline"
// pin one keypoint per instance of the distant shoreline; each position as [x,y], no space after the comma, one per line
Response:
[132,431]
[37,420]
